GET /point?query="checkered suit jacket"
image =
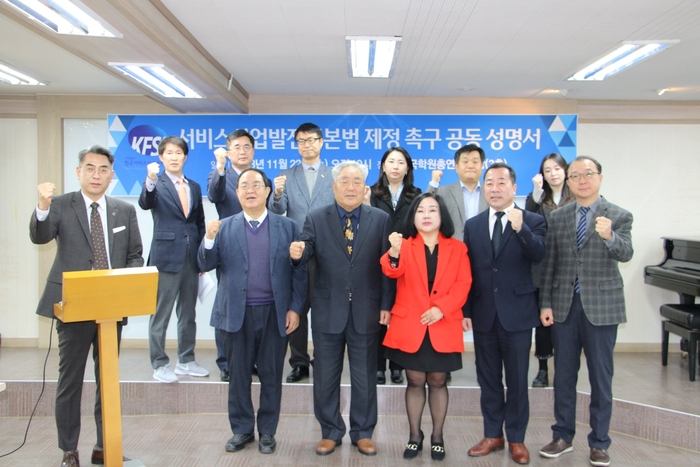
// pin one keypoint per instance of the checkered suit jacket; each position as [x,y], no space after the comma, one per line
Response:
[602,289]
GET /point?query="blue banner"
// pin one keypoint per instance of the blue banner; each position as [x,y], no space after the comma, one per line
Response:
[519,140]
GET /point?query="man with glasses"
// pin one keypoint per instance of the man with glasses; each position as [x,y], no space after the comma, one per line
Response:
[298,191]
[221,190]
[255,309]
[582,297]
[92,231]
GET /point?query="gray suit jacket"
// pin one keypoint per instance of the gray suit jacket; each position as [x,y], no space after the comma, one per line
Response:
[295,199]
[230,256]
[340,277]
[602,289]
[69,224]
[454,201]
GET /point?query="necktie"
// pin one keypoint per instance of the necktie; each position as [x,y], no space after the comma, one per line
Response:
[254,224]
[580,235]
[497,232]
[98,239]
[349,235]
[184,200]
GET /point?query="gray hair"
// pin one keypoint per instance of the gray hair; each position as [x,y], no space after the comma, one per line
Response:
[339,168]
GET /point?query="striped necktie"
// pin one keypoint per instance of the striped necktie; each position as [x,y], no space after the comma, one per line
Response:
[580,235]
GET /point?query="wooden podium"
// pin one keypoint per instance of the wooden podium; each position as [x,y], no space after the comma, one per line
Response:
[106,296]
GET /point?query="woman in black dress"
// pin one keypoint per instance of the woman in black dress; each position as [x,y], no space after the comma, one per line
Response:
[393,194]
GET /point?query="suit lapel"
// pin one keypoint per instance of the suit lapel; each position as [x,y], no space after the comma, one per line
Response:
[507,233]
[483,232]
[274,225]
[444,251]
[459,200]
[78,204]
[324,174]
[570,220]
[300,180]
[363,228]
[172,191]
[335,228]
[112,214]
[238,230]
[602,211]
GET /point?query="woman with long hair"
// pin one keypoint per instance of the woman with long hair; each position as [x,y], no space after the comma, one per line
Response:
[393,194]
[549,193]
[433,278]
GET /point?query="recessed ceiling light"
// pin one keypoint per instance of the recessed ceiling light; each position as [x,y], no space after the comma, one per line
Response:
[372,56]
[622,57]
[65,17]
[157,78]
[10,75]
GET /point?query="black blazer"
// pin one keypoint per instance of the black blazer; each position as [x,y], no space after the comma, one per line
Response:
[399,215]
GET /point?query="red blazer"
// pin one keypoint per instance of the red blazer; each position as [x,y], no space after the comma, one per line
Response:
[453,279]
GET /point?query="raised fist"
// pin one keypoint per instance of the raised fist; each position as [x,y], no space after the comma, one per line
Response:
[296,250]
[153,170]
[46,191]
[279,185]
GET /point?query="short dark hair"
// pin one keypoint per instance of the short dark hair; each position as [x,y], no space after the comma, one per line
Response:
[253,169]
[96,149]
[238,134]
[586,158]
[447,227]
[176,140]
[466,149]
[502,165]
[309,128]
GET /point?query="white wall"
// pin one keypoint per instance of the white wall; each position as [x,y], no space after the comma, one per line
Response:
[650,170]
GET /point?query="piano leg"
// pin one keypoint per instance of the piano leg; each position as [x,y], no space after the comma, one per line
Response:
[664,344]
[693,355]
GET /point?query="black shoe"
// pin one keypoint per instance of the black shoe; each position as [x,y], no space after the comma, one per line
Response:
[267,444]
[437,451]
[225,376]
[396,377]
[541,380]
[297,373]
[381,379]
[238,442]
[255,370]
[412,448]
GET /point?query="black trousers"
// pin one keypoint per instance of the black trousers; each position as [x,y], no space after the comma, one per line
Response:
[257,342]
[74,341]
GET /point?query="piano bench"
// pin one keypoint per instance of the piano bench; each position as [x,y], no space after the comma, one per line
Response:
[684,321]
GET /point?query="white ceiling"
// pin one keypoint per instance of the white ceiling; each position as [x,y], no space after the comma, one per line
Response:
[464,48]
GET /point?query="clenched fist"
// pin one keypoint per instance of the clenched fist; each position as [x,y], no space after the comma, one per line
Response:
[220,155]
[395,239]
[296,250]
[537,181]
[213,228]
[153,170]
[515,217]
[279,185]
[603,226]
[46,191]
[436,176]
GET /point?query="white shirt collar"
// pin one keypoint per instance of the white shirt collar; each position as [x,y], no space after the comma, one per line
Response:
[259,219]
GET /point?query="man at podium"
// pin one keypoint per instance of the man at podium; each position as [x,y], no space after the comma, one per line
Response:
[92,231]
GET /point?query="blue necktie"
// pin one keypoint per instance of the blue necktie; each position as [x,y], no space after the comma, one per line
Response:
[254,224]
[580,235]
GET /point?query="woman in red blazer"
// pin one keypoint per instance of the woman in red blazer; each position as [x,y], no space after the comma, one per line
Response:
[433,278]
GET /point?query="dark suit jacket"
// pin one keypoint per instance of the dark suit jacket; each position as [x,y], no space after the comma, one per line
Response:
[340,277]
[454,201]
[295,199]
[452,282]
[399,215]
[230,256]
[602,289]
[221,190]
[69,224]
[503,285]
[172,232]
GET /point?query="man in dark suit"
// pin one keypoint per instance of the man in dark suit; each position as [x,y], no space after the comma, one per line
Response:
[178,228]
[351,299]
[222,184]
[298,191]
[464,199]
[582,296]
[258,302]
[92,231]
[503,242]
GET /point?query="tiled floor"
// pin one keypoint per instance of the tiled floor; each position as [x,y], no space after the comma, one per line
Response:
[198,439]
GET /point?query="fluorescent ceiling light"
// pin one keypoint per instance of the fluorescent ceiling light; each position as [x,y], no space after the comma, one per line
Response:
[628,54]
[65,17]
[11,76]
[372,57]
[157,78]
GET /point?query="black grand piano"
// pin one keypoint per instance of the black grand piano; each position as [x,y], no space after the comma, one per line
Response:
[680,272]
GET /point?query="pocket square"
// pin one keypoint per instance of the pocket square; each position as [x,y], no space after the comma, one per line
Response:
[118,229]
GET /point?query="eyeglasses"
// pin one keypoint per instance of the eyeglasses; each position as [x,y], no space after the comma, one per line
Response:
[244,148]
[254,186]
[310,141]
[91,169]
[586,176]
